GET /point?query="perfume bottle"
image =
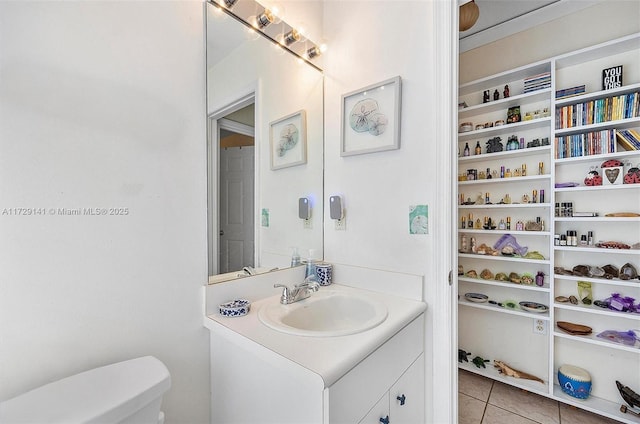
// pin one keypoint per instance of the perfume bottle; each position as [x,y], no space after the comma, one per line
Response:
[478,149]
[466,149]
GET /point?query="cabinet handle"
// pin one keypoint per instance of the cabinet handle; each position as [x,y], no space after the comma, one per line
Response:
[385,420]
[401,399]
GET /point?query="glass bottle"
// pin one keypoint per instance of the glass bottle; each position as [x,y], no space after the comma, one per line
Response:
[478,148]
[466,149]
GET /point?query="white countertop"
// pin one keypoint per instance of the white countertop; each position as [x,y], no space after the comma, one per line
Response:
[329,357]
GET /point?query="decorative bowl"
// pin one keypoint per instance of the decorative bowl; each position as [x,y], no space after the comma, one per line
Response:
[476,297]
[465,127]
[533,307]
[574,381]
[235,308]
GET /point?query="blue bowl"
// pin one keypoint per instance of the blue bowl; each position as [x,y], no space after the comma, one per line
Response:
[235,308]
[574,381]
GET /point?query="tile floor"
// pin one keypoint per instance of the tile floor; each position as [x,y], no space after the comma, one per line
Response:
[482,400]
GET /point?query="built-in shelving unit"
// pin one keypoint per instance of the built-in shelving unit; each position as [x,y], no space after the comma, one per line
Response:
[528,341]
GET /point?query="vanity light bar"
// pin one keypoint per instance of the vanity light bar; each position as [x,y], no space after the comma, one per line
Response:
[271,25]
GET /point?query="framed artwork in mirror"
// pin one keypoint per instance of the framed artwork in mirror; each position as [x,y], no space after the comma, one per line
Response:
[371,118]
[288,140]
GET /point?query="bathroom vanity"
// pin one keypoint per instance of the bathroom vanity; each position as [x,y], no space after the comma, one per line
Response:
[265,374]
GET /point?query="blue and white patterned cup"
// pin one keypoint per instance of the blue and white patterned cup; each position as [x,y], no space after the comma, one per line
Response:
[324,273]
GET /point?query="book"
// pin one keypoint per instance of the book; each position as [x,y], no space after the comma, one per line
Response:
[626,144]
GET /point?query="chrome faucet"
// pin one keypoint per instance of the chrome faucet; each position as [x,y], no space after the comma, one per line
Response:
[298,292]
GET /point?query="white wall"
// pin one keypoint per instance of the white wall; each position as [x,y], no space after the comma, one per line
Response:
[102,105]
[371,42]
[605,21]
[283,86]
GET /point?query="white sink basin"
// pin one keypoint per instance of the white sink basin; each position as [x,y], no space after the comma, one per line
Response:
[326,313]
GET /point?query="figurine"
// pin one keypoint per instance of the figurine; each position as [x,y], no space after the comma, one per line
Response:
[505,93]
[496,95]
[479,362]
[462,355]
[494,145]
[485,96]
[629,396]
[510,372]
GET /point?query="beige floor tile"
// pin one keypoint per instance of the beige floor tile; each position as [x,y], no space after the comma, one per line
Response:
[529,405]
[495,415]
[474,385]
[573,415]
[470,410]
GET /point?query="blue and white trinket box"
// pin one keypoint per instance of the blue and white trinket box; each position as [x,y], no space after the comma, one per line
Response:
[235,308]
[574,381]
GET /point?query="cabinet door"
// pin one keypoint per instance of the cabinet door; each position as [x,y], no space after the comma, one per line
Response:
[379,413]
[406,397]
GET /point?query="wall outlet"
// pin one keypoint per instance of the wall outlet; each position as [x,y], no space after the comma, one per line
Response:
[341,224]
[539,326]
[307,224]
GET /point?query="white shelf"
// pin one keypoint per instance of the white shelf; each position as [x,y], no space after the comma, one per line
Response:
[599,188]
[544,288]
[594,340]
[503,258]
[515,233]
[491,372]
[507,206]
[531,151]
[504,104]
[631,88]
[508,180]
[506,77]
[595,405]
[619,123]
[505,129]
[612,282]
[598,219]
[598,250]
[598,158]
[504,310]
[597,311]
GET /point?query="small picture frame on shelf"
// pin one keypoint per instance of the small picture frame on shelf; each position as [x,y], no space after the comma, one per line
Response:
[612,175]
[288,141]
[612,77]
[513,115]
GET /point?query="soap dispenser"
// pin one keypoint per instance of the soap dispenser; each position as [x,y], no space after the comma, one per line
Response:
[310,270]
[295,257]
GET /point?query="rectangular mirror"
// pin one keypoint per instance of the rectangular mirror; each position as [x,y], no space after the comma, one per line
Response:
[265,151]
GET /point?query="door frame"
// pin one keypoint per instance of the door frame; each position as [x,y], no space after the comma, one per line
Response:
[445,309]
[214,123]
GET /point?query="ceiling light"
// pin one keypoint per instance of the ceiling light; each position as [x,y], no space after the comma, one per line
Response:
[469,14]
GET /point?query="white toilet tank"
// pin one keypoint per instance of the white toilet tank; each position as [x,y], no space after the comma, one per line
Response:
[125,392]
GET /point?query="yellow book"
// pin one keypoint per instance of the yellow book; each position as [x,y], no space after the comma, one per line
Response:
[626,144]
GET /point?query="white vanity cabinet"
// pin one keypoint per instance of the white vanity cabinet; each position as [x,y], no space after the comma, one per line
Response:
[371,388]
[404,402]
[253,384]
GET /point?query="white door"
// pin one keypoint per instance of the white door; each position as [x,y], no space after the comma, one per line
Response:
[236,208]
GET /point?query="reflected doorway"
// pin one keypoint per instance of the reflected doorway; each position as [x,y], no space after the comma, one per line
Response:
[232,187]
[236,196]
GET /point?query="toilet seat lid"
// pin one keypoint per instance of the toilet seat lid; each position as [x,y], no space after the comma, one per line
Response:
[106,394]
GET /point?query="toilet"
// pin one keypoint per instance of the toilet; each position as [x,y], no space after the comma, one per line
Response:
[126,392]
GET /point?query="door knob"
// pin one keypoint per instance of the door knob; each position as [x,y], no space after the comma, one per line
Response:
[401,399]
